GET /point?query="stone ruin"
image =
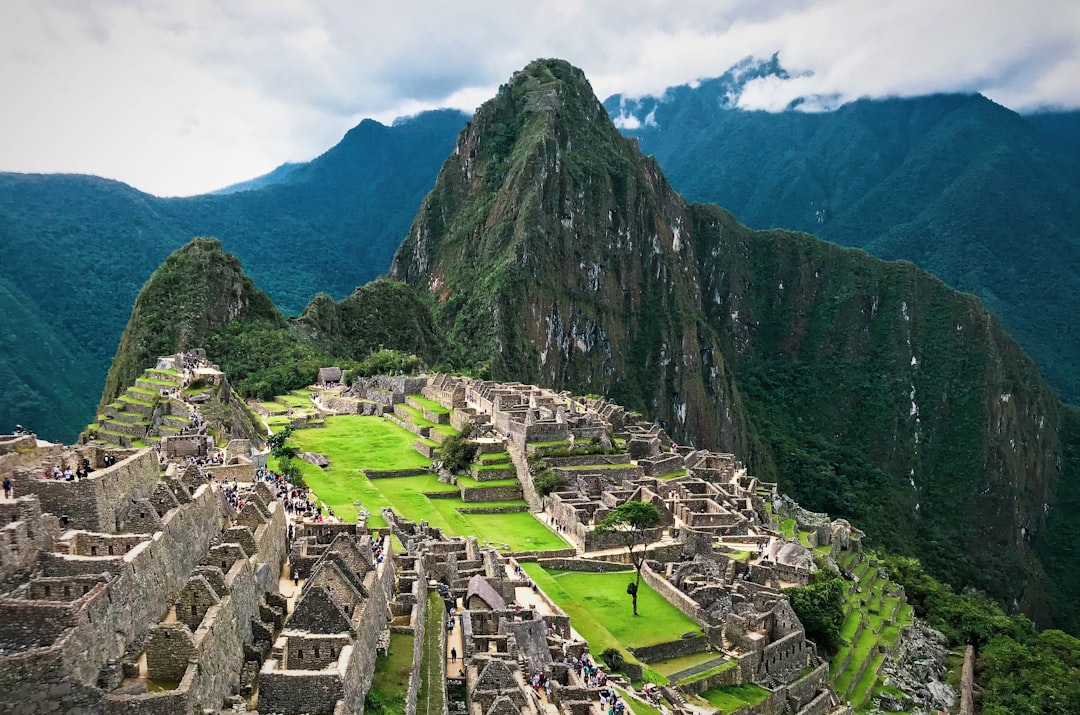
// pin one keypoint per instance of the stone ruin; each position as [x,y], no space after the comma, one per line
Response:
[129,577]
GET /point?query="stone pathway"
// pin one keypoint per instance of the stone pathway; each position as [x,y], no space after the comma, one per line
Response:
[454,640]
[523,475]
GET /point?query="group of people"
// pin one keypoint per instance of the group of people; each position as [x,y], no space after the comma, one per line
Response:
[585,668]
[206,460]
[65,473]
[540,680]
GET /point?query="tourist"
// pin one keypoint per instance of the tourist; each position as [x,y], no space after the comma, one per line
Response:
[296,577]
[7,488]
[453,655]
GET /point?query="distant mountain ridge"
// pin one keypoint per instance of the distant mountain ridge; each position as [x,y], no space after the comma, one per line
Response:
[976,194]
[77,248]
[867,389]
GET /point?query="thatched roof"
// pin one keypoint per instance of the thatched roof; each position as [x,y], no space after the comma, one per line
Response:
[479,587]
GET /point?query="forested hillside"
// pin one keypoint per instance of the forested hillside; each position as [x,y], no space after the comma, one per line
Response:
[983,198]
[78,248]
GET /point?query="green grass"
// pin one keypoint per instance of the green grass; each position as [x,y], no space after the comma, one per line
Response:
[552,443]
[733,697]
[467,481]
[355,443]
[493,457]
[295,401]
[711,671]
[788,527]
[672,475]
[600,609]
[804,539]
[274,408]
[674,665]
[498,466]
[636,706]
[429,698]
[390,682]
[430,405]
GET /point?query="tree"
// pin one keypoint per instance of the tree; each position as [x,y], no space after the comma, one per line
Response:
[456,451]
[820,608]
[632,520]
[277,443]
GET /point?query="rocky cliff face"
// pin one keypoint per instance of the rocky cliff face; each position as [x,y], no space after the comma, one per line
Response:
[868,389]
[552,246]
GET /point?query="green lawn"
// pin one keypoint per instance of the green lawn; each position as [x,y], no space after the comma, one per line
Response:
[788,527]
[493,457]
[638,707]
[431,405]
[295,401]
[353,443]
[391,679]
[733,697]
[600,609]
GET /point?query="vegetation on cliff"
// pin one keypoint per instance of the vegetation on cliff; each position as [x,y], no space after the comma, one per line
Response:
[868,389]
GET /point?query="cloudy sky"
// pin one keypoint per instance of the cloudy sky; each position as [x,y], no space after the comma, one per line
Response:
[181,97]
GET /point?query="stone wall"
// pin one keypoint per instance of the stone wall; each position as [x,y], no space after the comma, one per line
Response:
[674,596]
[93,503]
[671,649]
[418,623]
[297,691]
[233,472]
[145,582]
[482,494]
[618,474]
[587,565]
[22,535]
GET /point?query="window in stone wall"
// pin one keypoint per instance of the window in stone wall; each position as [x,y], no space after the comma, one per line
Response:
[93,551]
[316,652]
[300,654]
[110,549]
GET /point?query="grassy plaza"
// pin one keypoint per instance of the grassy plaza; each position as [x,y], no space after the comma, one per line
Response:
[600,610]
[355,443]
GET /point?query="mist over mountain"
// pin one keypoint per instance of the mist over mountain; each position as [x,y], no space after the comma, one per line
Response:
[987,200]
[976,194]
[868,389]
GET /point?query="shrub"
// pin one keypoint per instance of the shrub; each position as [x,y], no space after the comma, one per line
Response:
[614,660]
[456,452]
[547,481]
[289,469]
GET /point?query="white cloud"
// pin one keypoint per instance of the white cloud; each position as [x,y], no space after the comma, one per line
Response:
[179,98]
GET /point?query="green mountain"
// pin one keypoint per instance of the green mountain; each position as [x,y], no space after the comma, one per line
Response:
[78,248]
[972,192]
[551,246]
[201,297]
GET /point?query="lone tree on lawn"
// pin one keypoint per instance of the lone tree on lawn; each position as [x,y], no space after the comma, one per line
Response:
[632,519]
